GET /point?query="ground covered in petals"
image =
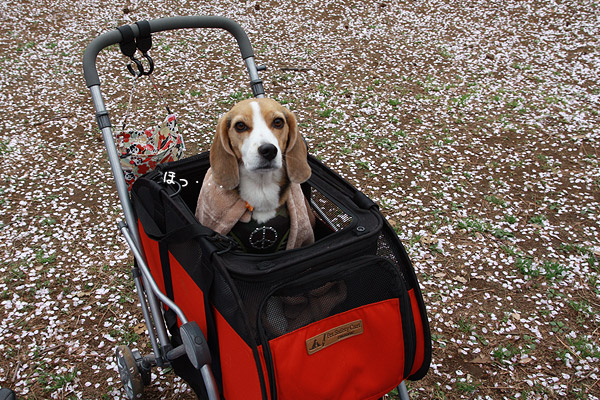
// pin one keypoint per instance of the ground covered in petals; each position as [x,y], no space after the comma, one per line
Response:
[474,125]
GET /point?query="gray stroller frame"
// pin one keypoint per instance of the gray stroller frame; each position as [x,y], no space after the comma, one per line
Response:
[134,369]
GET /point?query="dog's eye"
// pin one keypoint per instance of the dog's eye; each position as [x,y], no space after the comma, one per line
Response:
[278,123]
[240,126]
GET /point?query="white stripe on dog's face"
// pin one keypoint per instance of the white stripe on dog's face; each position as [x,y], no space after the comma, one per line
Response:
[260,135]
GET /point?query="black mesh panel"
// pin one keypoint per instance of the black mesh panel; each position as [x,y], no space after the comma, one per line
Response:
[328,212]
[389,247]
[329,292]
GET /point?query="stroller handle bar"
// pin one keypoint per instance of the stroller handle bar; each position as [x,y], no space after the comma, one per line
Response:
[142,275]
[165,24]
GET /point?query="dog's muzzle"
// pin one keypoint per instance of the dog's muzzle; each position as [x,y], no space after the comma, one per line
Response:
[268,151]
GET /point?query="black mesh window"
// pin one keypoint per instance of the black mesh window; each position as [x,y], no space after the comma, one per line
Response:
[328,212]
[330,292]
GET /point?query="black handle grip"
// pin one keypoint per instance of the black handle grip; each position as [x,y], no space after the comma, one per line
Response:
[158,25]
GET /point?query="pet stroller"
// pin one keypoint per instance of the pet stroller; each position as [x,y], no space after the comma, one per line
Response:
[341,318]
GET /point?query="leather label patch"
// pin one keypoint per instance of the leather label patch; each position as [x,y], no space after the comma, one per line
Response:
[334,335]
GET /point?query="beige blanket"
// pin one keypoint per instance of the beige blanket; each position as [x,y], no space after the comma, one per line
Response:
[220,209]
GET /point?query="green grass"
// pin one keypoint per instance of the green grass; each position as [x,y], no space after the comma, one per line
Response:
[502,234]
[414,240]
[582,306]
[496,200]
[573,248]
[442,51]
[42,259]
[505,352]
[326,113]
[5,148]
[553,270]
[16,274]
[52,382]
[509,250]
[48,221]
[537,219]
[25,46]
[472,224]
[386,143]
[362,164]
[585,346]
[233,97]
[464,325]
[467,387]
[526,267]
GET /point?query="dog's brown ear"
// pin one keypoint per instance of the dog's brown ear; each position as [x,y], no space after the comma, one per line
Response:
[223,161]
[298,169]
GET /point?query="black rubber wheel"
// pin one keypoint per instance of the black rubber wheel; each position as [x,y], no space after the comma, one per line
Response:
[132,380]
[145,372]
[7,394]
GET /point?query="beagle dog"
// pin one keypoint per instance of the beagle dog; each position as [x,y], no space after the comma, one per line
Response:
[258,161]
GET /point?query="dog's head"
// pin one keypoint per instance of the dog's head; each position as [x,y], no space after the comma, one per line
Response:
[259,135]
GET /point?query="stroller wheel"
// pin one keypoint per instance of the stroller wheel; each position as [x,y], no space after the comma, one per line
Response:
[7,394]
[132,380]
[143,367]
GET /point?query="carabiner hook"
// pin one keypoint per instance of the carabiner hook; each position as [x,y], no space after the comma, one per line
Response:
[150,64]
[139,66]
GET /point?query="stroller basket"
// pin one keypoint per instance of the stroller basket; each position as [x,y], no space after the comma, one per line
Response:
[341,318]
[284,320]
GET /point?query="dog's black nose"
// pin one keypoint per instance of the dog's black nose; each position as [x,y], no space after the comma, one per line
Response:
[268,151]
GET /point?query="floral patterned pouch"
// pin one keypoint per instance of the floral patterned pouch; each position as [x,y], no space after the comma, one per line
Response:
[141,151]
